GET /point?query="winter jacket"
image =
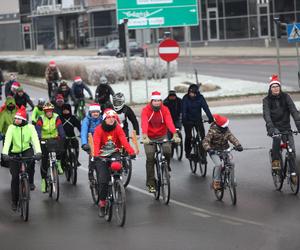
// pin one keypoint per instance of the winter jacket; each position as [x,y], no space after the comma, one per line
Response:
[52,74]
[7,116]
[117,135]
[78,90]
[88,126]
[127,112]
[192,108]
[156,124]
[7,89]
[277,111]
[103,92]
[21,138]
[66,94]
[36,113]
[23,100]
[217,138]
[174,108]
[69,124]
[50,128]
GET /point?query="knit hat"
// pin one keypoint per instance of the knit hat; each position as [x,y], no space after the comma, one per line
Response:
[274,80]
[221,121]
[15,85]
[21,114]
[20,89]
[94,107]
[156,95]
[77,79]
[52,63]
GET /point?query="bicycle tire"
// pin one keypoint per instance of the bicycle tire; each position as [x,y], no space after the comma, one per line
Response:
[24,198]
[67,166]
[119,203]
[126,173]
[165,184]
[54,187]
[157,182]
[179,148]
[219,193]
[73,169]
[94,188]
[232,189]
[109,205]
[277,175]
[294,183]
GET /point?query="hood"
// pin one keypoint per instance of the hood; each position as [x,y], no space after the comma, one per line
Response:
[68,107]
[195,87]
[10,100]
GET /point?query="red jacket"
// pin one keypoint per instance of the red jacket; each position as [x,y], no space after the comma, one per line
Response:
[117,135]
[157,124]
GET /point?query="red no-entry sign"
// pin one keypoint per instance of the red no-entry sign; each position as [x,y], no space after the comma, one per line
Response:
[168,50]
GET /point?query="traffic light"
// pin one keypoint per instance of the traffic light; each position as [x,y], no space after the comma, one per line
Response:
[122,40]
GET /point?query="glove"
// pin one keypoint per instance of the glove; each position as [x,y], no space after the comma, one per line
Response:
[132,156]
[211,152]
[91,98]
[274,131]
[86,148]
[38,156]
[176,138]
[239,148]
[145,139]
[5,157]
[211,120]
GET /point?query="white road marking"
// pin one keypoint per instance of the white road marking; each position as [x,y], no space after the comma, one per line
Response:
[201,215]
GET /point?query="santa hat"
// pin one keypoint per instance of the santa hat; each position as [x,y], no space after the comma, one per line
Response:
[15,85]
[274,80]
[221,121]
[94,107]
[59,97]
[21,114]
[156,95]
[52,63]
[108,113]
[77,79]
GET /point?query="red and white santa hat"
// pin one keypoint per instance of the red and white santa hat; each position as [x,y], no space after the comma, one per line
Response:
[21,114]
[77,79]
[94,107]
[52,63]
[109,113]
[221,121]
[274,80]
[16,85]
[156,95]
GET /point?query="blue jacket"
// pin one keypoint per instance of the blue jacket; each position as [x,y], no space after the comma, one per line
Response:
[88,126]
[192,108]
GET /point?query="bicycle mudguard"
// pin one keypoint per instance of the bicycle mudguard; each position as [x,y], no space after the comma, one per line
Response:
[135,142]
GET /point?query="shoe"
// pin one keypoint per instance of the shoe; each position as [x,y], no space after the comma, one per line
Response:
[14,206]
[151,189]
[78,164]
[59,168]
[216,185]
[32,187]
[294,178]
[188,156]
[43,186]
[102,205]
[276,165]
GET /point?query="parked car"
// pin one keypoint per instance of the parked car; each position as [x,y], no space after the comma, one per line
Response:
[112,49]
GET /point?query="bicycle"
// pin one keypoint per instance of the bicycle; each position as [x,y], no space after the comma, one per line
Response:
[285,170]
[116,197]
[93,178]
[227,180]
[126,168]
[196,157]
[52,178]
[24,190]
[70,160]
[53,89]
[178,148]
[80,114]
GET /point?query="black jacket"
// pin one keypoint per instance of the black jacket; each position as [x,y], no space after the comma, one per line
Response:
[127,112]
[103,92]
[174,107]
[66,94]
[69,124]
[277,111]
[7,89]
[23,101]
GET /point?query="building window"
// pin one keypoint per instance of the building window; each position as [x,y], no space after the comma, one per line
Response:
[235,7]
[236,28]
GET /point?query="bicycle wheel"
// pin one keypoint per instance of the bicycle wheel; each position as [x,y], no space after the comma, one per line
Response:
[232,188]
[67,165]
[219,193]
[202,164]
[119,203]
[179,148]
[193,159]
[94,188]
[109,204]
[294,181]
[73,168]
[157,181]
[277,175]
[54,187]
[126,172]
[24,198]
[165,184]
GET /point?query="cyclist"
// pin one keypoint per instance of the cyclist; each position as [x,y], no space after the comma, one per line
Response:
[70,122]
[58,104]
[109,132]
[277,109]
[192,104]
[78,88]
[103,93]
[37,111]
[8,85]
[19,139]
[52,74]
[217,138]
[49,126]
[89,123]
[22,99]
[65,91]
[125,112]
[6,118]
[156,121]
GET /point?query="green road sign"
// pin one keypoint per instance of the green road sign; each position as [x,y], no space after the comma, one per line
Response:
[143,14]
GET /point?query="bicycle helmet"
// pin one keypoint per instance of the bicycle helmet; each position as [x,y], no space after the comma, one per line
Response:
[41,102]
[48,106]
[118,101]
[103,80]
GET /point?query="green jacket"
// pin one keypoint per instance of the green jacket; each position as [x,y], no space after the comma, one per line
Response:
[21,139]
[36,113]
[6,116]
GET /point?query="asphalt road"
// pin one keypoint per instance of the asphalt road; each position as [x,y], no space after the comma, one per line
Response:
[262,219]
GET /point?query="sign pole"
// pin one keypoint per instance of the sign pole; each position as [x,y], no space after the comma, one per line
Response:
[128,59]
[298,59]
[145,63]
[169,79]
[277,47]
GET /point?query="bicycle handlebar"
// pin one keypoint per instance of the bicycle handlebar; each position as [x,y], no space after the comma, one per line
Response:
[112,159]
[289,132]
[21,158]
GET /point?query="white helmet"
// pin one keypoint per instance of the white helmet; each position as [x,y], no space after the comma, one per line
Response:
[103,80]
[118,101]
